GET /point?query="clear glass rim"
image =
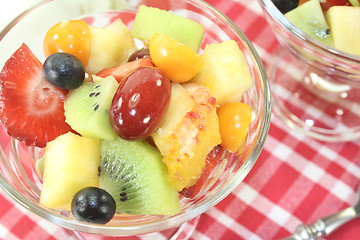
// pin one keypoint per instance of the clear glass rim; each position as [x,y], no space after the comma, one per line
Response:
[174,221]
[275,14]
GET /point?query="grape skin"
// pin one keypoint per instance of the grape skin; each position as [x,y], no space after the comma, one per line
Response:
[140,103]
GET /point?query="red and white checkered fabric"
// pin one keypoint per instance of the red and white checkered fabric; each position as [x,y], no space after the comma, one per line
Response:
[296,179]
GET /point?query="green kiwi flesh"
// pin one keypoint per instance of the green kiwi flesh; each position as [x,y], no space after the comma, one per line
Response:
[87,108]
[134,174]
[355,3]
[310,18]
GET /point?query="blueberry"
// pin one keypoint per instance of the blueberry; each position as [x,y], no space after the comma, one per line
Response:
[94,205]
[64,70]
[285,6]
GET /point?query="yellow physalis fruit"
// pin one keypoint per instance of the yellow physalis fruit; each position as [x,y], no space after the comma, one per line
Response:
[234,123]
[179,62]
[69,36]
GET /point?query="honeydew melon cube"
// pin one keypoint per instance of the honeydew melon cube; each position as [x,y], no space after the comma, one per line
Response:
[345,28]
[151,20]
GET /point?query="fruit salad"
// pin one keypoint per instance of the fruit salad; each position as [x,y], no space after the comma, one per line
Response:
[330,21]
[121,122]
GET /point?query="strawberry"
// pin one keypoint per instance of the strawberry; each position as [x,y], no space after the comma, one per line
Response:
[31,109]
[121,71]
[325,5]
[213,158]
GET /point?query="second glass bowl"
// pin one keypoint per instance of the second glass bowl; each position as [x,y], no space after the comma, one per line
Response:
[315,88]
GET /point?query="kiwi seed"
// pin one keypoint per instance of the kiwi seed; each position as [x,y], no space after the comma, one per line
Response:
[99,171]
[87,114]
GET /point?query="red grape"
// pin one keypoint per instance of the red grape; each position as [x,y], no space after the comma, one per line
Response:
[142,53]
[140,103]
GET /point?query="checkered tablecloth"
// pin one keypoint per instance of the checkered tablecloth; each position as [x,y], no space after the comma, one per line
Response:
[296,179]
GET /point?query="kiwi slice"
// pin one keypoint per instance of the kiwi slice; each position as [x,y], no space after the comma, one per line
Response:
[134,174]
[87,108]
[310,18]
[355,3]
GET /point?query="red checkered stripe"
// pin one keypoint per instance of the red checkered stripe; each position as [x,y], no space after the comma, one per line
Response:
[296,180]
[17,223]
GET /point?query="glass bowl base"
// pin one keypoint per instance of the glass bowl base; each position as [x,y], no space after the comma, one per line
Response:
[183,232]
[313,105]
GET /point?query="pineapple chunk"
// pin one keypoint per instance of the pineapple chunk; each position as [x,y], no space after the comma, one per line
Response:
[344,27]
[110,46]
[174,115]
[186,140]
[71,163]
[225,72]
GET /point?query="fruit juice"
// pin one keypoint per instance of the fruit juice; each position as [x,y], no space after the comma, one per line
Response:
[177,152]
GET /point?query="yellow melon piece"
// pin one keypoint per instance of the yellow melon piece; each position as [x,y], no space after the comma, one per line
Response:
[345,28]
[225,72]
[70,163]
[110,46]
[174,115]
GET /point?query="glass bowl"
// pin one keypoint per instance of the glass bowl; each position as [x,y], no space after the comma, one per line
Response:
[18,176]
[315,88]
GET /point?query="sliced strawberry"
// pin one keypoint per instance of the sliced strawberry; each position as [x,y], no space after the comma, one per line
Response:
[212,160]
[31,109]
[325,5]
[121,71]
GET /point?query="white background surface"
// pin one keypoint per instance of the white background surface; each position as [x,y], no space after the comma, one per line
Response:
[9,9]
